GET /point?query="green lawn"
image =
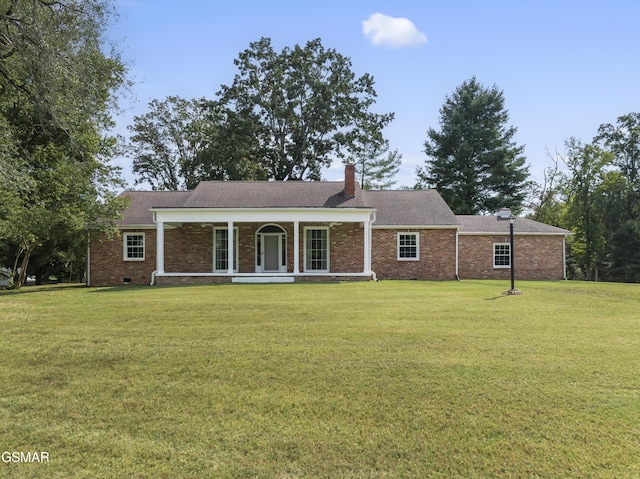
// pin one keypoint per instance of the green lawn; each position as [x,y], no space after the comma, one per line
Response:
[360,380]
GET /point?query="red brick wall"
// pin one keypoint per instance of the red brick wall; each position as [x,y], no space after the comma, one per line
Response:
[189,249]
[437,255]
[107,267]
[536,257]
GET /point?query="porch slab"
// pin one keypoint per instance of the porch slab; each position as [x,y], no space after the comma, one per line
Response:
[263,279]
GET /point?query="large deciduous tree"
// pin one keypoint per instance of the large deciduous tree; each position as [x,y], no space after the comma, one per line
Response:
[587,184]
[473,161]
[170,143]
[294,112]
[58,84]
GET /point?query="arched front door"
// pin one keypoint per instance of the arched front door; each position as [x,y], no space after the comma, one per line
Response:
[271,249]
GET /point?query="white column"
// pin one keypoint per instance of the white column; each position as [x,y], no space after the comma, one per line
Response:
[159,247]
[230,247]
[367,246]
[296,247]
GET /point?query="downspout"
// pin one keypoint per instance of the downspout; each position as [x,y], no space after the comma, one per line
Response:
[88,257]
[564,257]
[457,272]
[153,274]
[373,219]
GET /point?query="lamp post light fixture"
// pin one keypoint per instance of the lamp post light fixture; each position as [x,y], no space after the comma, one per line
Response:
[505,215]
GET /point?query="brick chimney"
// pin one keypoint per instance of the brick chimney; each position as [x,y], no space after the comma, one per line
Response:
[349,181]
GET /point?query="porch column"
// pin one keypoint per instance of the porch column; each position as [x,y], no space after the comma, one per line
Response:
[230,247]
[296,247]
[159,247]
[367,246]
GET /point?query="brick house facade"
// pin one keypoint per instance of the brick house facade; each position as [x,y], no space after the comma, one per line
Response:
[311,231]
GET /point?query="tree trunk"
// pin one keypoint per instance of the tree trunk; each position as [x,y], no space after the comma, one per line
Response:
[25,264]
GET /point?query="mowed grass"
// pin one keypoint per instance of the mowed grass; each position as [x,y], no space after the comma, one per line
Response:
[361,380]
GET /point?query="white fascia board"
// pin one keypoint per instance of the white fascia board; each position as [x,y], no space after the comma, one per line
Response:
[137,227]
[415,227]
[253,215]
[506,233]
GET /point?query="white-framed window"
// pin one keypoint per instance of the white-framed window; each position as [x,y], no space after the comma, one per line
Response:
[221,249]
[408,246]
[501,255]
[133,246]
[316,249]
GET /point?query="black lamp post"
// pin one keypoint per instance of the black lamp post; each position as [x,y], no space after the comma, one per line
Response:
[505,215]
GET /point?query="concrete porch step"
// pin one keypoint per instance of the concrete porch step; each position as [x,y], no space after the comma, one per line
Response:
[263,279]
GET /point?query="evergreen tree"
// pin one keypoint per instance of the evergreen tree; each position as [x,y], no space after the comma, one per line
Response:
[473,160]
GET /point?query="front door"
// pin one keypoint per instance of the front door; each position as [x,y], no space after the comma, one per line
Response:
[271,251]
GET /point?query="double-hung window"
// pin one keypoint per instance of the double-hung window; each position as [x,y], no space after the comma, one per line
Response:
[501,255]
[221,249]
[408,246]
[133,246]
[316,249]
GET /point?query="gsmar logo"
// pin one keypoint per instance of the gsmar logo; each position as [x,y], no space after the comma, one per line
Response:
[16,456]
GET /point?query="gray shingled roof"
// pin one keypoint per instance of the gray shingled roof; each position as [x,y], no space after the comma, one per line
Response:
[272,194]
[393,208]
[142,201]
[490,225]
[410,208]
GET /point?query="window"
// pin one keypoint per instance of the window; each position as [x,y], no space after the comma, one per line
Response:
[133,246]
[316,249]
[221,249]
[501,255]
[408,246]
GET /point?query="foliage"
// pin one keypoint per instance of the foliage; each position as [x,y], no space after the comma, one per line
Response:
[376,166]
[57,90]
[547,201]
[169,144]
[623,199]
[473,161]
[586,184]
[293,112]
[259,381]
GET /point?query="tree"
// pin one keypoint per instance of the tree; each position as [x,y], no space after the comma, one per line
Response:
[473,161]
[58,87]
[587,186]
[294,112]
[169,144]
[622,140]
[547,200]
[376,166]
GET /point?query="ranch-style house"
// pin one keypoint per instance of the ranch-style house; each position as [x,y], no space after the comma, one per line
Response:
[286,231]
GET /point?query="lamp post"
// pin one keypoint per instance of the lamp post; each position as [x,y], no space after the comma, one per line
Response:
[505,215]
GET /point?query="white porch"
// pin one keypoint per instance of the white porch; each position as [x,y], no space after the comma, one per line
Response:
[304,263]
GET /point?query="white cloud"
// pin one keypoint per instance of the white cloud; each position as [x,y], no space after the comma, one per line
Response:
[392,32]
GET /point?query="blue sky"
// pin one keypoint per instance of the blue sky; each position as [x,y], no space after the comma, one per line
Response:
[565,67]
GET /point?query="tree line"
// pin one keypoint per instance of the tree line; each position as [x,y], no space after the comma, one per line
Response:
[285,116]
[593,189]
